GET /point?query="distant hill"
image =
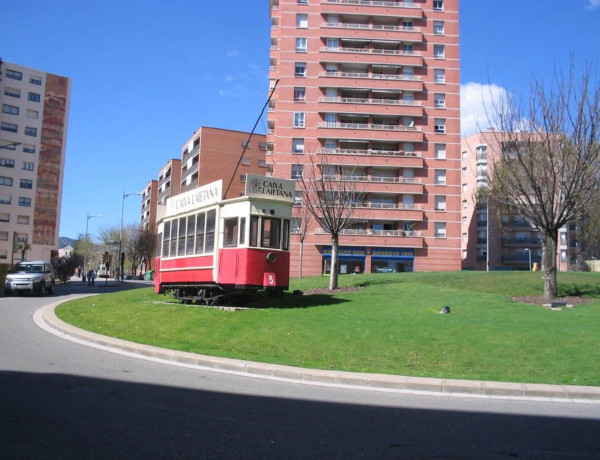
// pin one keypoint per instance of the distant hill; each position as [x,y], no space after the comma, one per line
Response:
[64,241]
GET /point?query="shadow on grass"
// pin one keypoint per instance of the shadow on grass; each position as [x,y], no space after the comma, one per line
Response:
[579,290]
[290,300]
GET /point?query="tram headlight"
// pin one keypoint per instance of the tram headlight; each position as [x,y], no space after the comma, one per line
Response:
[271,257]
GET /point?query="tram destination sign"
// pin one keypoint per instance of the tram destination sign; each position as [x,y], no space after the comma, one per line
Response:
[202,196]
[270,187]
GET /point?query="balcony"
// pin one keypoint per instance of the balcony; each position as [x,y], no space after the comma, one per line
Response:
[189,171]
[413,10]
[401,57]
[402,108]
[410,133]
[189,154]
[348,30]
[508,241]
[370,237]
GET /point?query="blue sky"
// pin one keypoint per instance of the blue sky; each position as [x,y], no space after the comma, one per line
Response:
[147,74]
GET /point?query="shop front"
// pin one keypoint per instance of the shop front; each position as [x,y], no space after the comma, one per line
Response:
[392,260]
[376,260]
[351,259]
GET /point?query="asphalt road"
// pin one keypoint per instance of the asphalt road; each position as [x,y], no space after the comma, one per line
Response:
[60,399]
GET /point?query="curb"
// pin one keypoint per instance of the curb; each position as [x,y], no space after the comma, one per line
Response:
[381,382]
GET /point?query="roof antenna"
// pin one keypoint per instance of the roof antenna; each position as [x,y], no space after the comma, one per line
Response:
[250,137]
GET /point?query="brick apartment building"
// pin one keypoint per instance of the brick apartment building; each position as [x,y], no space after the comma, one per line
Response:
[372,86]
[33,140]
[209,155]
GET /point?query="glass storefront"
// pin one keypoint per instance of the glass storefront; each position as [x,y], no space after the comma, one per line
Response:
[383,260]
[351,260]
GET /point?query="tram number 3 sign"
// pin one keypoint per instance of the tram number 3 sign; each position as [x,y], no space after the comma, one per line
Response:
[269,279]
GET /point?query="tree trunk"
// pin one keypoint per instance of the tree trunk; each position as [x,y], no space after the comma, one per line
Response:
[549,264]
[333,274]
[301,258]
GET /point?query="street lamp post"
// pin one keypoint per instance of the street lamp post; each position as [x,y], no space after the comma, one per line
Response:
[529,254]
[125,195]
[86,231]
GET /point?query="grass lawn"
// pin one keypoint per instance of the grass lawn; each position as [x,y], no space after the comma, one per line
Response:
[390,326]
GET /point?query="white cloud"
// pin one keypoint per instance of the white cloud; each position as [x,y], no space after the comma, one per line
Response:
[593,4]
[475,100]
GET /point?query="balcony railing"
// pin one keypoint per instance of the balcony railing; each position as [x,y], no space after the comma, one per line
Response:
[369,126]
[375,3]
[189,154]
[375,76]
[372,51]
[519,241]
[365,178]
[371,232]
[399,153]
[340,25]
[189,171]
[359,100]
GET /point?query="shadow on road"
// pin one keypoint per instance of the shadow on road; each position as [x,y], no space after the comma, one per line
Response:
[63,416]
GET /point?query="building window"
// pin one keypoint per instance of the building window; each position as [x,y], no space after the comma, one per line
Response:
[262,164]
[14,74]
[26,183]
[262,146]
[438,5]
[440,177]
[10,109]
[7,162]
[438,27]
[464,172]
[28,166]
[33,114]
[245,162]
[301,44]
[440,151]
[440,229]
[5,199]
[302,20]
[34,97]
[6,181]
[30,131]
[299,120]
[439,101]
[439,51]
[440,125]
[333,44]
[12,92]
[465,188]
[464,204]
[298,145]
[245,144]
[24,220]
[298,199]
[408,48]
[440,203]
[23,201]
[303,2]
[28,148]
[300,69]
[35,80]
[297,171]
[3,236]
[439,75]
[299,94]
[4,217]
[10,127]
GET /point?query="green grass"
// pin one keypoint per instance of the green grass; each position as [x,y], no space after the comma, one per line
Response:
[391,326]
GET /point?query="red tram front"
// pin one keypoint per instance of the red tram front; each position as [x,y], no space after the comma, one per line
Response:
[214,251]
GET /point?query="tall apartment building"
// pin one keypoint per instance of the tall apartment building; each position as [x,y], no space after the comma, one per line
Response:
[371,89]
[33,139]
[209,155]
[492,238]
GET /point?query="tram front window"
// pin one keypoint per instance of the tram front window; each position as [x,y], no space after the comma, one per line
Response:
[271,233]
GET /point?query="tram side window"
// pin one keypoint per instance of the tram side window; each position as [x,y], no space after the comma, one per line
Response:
[158,247]
[210,231]
[271,233]
[254,231]
[181,241]
[242,230]
[230,232]
[173,245]
[167,239]
[200,234]
[191,232]
[286,235]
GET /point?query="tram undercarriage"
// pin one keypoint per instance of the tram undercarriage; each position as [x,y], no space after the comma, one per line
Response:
[214,295]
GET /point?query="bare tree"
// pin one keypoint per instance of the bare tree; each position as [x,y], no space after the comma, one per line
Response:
[145,243]
[331,195]
[549,168]
[301,218]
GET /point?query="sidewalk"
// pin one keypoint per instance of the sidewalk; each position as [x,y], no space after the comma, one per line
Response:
[381,382]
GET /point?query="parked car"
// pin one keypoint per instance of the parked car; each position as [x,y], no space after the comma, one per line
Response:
[30,276]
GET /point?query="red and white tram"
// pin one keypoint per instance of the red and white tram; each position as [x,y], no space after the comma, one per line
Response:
[213,251]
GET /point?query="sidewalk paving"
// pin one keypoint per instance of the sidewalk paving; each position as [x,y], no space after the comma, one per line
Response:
[382,382]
